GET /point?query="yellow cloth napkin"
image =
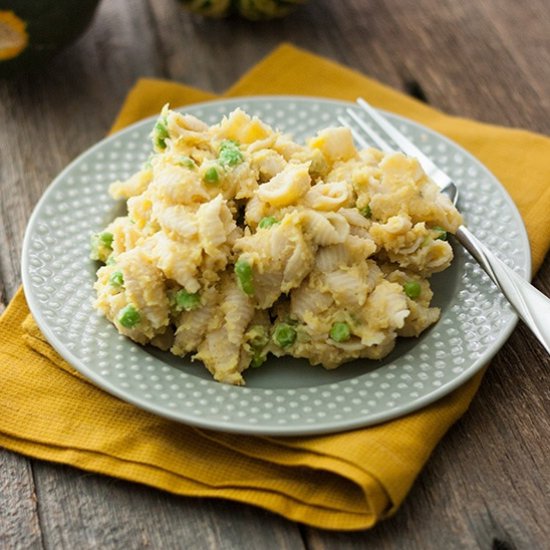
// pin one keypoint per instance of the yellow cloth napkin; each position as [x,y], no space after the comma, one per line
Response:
[341,481]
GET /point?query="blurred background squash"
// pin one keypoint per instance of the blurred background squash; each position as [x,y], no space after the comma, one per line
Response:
[254,10]
[31,31]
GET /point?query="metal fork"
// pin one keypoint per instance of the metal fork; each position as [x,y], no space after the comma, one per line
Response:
[531,305]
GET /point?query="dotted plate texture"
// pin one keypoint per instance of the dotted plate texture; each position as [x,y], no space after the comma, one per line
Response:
[285,396]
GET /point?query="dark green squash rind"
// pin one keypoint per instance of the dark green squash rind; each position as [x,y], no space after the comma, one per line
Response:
[50,25]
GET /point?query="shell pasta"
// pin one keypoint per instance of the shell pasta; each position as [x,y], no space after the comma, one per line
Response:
[239,243]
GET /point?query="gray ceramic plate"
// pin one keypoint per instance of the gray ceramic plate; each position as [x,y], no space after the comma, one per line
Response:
[284,396]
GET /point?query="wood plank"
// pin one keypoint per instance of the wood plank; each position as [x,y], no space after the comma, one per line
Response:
[487,483]
[76,509]
[212,54]
[82,510]
[19,521]
[523,31]
[465,62]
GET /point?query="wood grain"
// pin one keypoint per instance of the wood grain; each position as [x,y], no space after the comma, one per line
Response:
[19,521]
[85,509]
[487,484]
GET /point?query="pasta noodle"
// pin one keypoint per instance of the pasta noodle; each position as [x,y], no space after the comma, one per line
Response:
[240,243]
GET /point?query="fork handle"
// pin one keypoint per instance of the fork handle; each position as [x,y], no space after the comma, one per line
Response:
[532,306]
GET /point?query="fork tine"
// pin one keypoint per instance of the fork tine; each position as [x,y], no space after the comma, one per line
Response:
[377,138]
[403,142]
[356,135]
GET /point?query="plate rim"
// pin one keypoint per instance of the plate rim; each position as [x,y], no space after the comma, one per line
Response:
[248,429]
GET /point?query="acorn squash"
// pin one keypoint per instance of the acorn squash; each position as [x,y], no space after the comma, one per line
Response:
[250,9]
[33,31]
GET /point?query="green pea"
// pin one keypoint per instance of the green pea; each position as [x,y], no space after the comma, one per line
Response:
[257,361]
[366,211]
[116,279]
[101,246]
[160,133]
[229,153]
[284,335]
[111,260]
[340,332]
[243,270]
[258,337]
[412,289]
[106,238]
[186,301]
[129,316]
[267,222]
[442,234]
[211,175]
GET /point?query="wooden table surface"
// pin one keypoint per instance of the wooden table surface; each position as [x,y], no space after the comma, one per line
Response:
[487,485]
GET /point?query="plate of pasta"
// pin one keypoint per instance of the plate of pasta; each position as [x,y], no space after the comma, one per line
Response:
[241,265]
